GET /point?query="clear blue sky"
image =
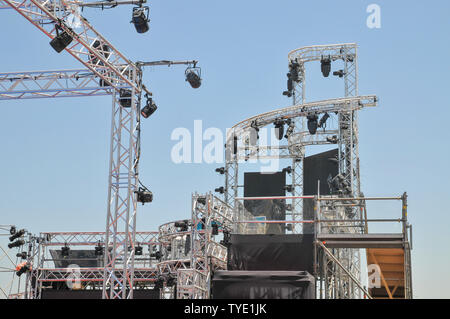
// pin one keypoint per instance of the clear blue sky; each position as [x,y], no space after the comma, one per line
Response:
[54,153]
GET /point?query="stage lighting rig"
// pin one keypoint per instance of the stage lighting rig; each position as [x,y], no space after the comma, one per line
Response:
[193,76]
[325,66]
[22,255]
[17,234]
[17,243]
[312,123]
[62,39]
[220,190]
[220,170]
[339,73]
[140,19]
[323,120]
[149,108]
[279,128]
[65,251]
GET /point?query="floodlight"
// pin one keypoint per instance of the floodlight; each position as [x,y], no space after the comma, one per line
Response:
[140,19]
[61,41]
[312,123]
[193,76]
[325,65]
[17,243]
[149,108]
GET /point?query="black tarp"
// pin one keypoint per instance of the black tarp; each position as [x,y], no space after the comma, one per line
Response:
[319,167]
[81,258]
[262,185]
[271,252]
[262,285]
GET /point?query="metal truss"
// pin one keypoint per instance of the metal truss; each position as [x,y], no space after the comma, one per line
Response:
[51,84]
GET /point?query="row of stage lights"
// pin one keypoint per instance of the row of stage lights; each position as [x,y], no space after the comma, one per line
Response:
[16,241]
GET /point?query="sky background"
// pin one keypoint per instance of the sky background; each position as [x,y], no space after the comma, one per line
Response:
[54,152]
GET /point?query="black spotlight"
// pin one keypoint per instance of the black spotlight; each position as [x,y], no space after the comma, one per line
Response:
[12,230]
[324,119]
[149,108]
[17,243]
[288,188]
[312,123]
[215,229]
[22,270]
[287,170]
[339,73]
[157,255]
[22,255]
[202,200]
[193,76]
[220,190]
[65,251]
[182,225]
[138,250]
[125,97]
[17,234]
[98,250]
[140,19]
[105,52]
[325,65]
[220,170]
[61,41]
[144,195]
[279,128]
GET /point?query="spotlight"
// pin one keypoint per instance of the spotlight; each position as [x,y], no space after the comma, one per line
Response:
[61,41]
[182,225]
[157,255]
[22,255]
[140,19]
[323,120]
[294,70]
[333,139]
[98,250]
[325,65]
[193,76]
[290,130]
[65,251]
[125,97]
[22,268]
[201,200]
[279,128]
[17,234]
[149,108]
[144,195]
[215,229]
[235,146]
[339,73]
[287,170]
[12,230]
[220,190]
[138,250]
[312,123]
[288,188]
[220,170]
[17,243]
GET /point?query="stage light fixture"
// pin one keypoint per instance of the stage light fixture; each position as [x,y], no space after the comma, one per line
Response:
[105,52]
[62,39]
[325,66]
[22,268]
[144,195]
[323,120]
[125,97]
[65,251]
[333,139]
[312,123]
[17,234]
[201,200]
[288,188]
[193,76]
[294,70]
[98,250]
[182,225]
[22,255]
[149,108]
[12,230]
[220,170]
[279,128]
[287,170]
[339,73]
[157,255]
[235,144]
[17,243]
[220,190]
[138,250]
[140,19]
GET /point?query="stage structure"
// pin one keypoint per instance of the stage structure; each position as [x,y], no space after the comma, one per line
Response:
[108,72]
